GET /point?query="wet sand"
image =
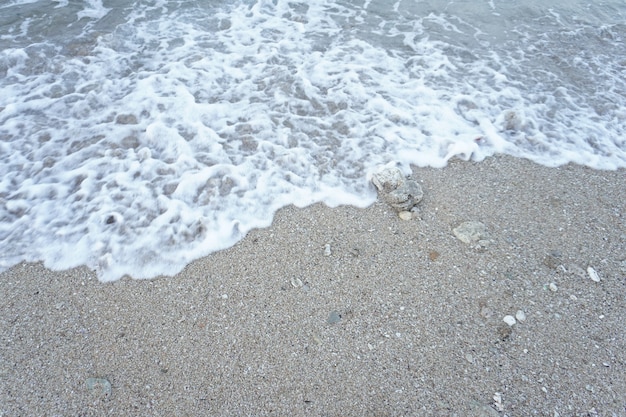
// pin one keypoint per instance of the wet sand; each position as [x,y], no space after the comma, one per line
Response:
[400,319]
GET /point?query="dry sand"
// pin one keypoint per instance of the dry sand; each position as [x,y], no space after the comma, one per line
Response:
[420,326]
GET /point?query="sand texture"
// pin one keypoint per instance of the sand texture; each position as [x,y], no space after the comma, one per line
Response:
[401,318]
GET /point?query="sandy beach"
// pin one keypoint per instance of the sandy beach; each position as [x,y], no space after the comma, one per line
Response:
[401,318]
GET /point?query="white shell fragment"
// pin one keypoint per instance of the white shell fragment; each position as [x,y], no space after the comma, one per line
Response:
[553,287]
[296,282]
[497,401]
[327,251]
[520,316]
[593,274]
[510,320]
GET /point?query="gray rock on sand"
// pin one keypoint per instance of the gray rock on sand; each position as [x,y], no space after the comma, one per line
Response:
[471,232]
[400,192]
[334,317]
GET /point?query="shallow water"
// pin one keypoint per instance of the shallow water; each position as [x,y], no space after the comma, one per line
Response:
[138,136]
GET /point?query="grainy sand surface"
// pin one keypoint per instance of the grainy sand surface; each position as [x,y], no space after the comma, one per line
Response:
[402,319]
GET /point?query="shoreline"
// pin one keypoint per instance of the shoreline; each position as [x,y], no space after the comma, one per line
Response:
[401,318]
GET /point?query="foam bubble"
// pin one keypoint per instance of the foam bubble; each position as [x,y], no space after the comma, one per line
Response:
[163,132]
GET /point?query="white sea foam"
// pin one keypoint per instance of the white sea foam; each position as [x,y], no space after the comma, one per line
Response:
[94,9]
[157,135]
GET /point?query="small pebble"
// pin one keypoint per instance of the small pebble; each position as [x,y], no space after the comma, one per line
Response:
[510,320]
[334,317]
[99,386]
[405,215]
[593,274]
[553,287]
[520,316]
[296,282]
[327,251]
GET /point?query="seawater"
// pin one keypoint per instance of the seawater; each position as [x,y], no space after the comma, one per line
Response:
[137,136]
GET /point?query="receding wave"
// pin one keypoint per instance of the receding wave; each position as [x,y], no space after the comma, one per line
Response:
[160,132]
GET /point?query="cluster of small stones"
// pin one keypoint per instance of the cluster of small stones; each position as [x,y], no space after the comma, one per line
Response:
[400,192]
[403,194]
